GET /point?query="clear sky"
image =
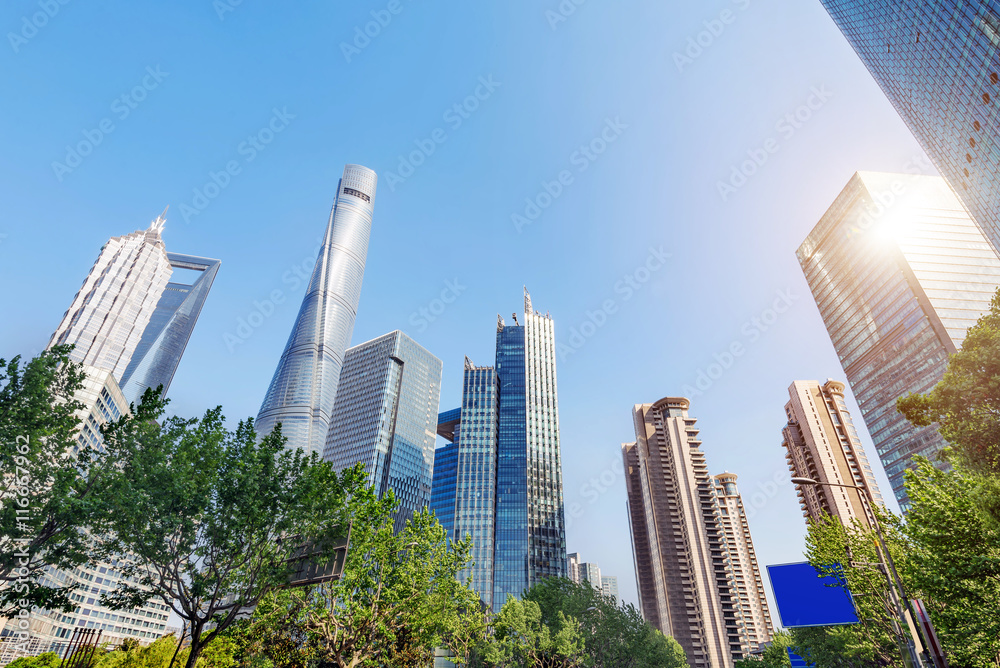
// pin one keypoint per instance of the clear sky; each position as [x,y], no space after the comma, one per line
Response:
[596,97]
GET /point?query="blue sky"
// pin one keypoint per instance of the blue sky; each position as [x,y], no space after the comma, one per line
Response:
[611,119]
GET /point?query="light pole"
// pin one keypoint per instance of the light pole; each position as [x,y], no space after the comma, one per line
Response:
[902,603]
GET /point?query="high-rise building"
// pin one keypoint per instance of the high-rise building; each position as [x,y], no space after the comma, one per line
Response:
[508,488]
[821,443]
[445,477]
[304,387]
[754,617]
[899,272]
[109,314]
[573,566]
[686,564]
[386,417]
[591,574]
[120,315]
[165,338]
[939,65]
[609,587]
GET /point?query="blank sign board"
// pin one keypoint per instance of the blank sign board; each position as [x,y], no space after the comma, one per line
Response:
[806,599]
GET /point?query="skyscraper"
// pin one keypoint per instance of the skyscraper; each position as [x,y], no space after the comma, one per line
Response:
[508,489]
[821,443]
[609,587]
[753,616]
[939,64]
[159,351]
[304,387]
[591,574]
[690,552]
[899,272]
[386,417]
[121,316]
[445,477]
[573,566]
[109,314]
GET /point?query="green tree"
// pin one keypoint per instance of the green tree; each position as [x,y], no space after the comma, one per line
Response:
[522,639]
[775,655]
[46,660]
[838,647]
[614,637]
[56,493]
[954,560]
[209,517]
[399,597]
[966,403]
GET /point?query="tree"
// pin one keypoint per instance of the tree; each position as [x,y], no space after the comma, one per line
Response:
[399,596]
[523,640]
[56,492]
[46,660]
[954,560]
[210,518]
[966,403]
[775,655]
[614,637]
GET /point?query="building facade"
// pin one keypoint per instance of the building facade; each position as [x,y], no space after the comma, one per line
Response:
[821,443]
[686,565]
[508,488]
[385,417]
[753,616]
[303,390]
[899,272]
[591,574]
[155,359]
[609,587]
[108,316]
[939,65]
[573,566]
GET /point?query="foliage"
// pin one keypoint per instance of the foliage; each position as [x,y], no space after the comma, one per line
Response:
[399,596]
[210,517]
[775,655]
[955,560]
[60,495]
[614,637]
[966,403]
[522,639]
[46,660]
[850,554]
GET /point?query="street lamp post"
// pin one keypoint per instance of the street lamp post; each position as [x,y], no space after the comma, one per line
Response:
[901,602]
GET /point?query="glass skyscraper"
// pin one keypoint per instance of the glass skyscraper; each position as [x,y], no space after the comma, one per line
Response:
[304,387]
[899,272]
[386,417]
[162,345]
[938,63]
[508,486]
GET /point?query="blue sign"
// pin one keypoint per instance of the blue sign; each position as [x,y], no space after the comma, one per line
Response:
[805,598]
[798,661]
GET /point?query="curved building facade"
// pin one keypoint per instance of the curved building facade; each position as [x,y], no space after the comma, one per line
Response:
[302,392]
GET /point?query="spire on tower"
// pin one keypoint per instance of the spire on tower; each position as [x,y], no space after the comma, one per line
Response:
[157,225]
[527,301]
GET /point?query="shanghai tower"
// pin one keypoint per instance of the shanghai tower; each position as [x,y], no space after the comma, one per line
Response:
[304,386]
